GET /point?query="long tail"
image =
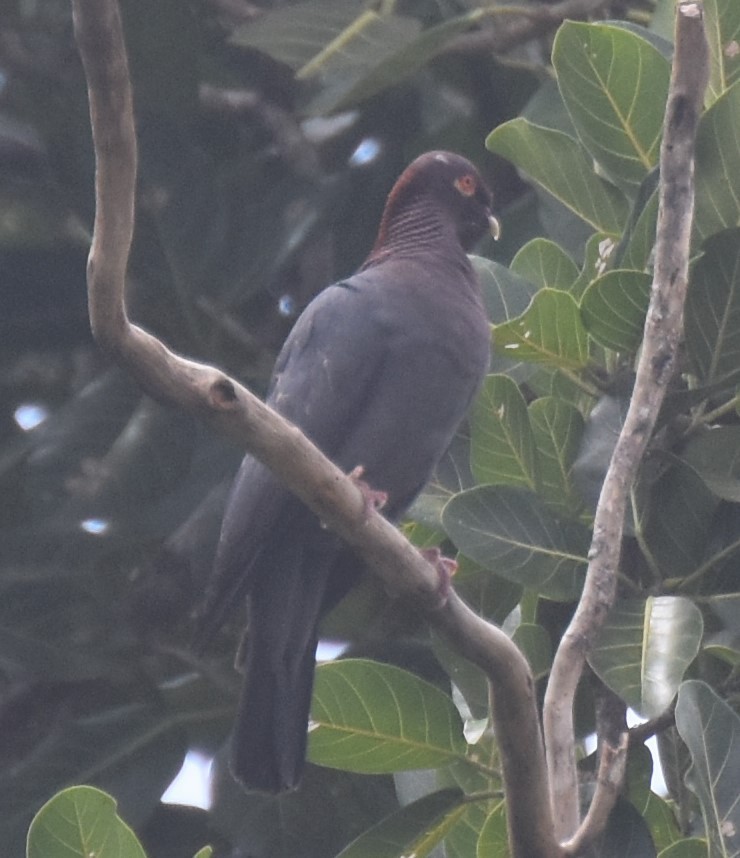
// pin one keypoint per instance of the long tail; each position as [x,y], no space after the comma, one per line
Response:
[269,741]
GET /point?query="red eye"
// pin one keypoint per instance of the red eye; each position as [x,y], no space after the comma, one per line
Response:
[466,185]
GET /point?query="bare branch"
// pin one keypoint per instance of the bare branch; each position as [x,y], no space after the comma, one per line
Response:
[662,335]
[236,413]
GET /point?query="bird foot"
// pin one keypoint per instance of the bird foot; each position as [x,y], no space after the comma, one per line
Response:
[446,568]
[373,498]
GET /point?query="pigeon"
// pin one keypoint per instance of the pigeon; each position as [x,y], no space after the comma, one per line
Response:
[378,372]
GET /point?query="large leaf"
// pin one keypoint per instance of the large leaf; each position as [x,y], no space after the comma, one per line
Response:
[557,427]
[711,730]
[613,309]
[644,648]
[717,156]
[715,456]
[512,533]
[374,718]
[723,34]
[562,167]
[502,444]
[680,517]
[414,830]
[545,263]
[353,51]
[723,638]
[713,309]
[507,295]
[550,331]
[614,85]
[80,822]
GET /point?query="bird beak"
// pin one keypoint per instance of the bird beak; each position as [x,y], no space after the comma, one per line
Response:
[494,226]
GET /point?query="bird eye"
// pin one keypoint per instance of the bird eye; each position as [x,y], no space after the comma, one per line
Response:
[466,185]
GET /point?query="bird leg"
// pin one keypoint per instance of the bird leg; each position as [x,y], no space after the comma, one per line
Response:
[446,568]
[373,499]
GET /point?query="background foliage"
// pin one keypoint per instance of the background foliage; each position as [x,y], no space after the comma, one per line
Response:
[269,136]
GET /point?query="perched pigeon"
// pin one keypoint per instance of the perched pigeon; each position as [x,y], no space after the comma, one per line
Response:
[378,372]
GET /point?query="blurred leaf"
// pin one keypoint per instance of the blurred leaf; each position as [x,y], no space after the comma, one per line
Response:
[613,309]
[354,52]
[644,649]
[557,428]
[534,642]
[545,264]
[494,835]
[723,29]
[717,180]
[713,309]
[294,34]
[347,85]
[711,730]
[512,532]
[679,522]
[502,444]
[562,167]
[81,821]
[91,733]
[414,830]
[614,85]
[550,331]
[715,455]
[691,847]
[329,810]
[600,434]
[625,834]
[640,239]
[724,641]
[374,718]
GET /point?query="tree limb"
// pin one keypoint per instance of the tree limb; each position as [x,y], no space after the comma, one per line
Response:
[662,335]
[235,412]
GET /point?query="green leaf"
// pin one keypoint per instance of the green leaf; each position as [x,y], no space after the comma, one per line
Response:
[562,167]
[596,260]
[723,638]
[369,69]
[81,821]
[414,830]
[502,444]
[644,648]
[717,156]
[550,331]
[511,532]
[494,835]
[545,264]
[205,852]
[295,34]
[614,85]
[613,309]
[690,847]
[534,641]
[680,517]
[713,309]
[506,296]
[722,23]
[375,718]
[711,730]
[557,428]
[641,238]
[715,455]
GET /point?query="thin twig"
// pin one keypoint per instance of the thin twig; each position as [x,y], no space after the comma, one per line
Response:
[663,330]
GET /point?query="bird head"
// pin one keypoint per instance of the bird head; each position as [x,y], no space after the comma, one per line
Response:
[446,184]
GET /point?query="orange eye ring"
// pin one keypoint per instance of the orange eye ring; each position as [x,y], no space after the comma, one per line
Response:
[466,185]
